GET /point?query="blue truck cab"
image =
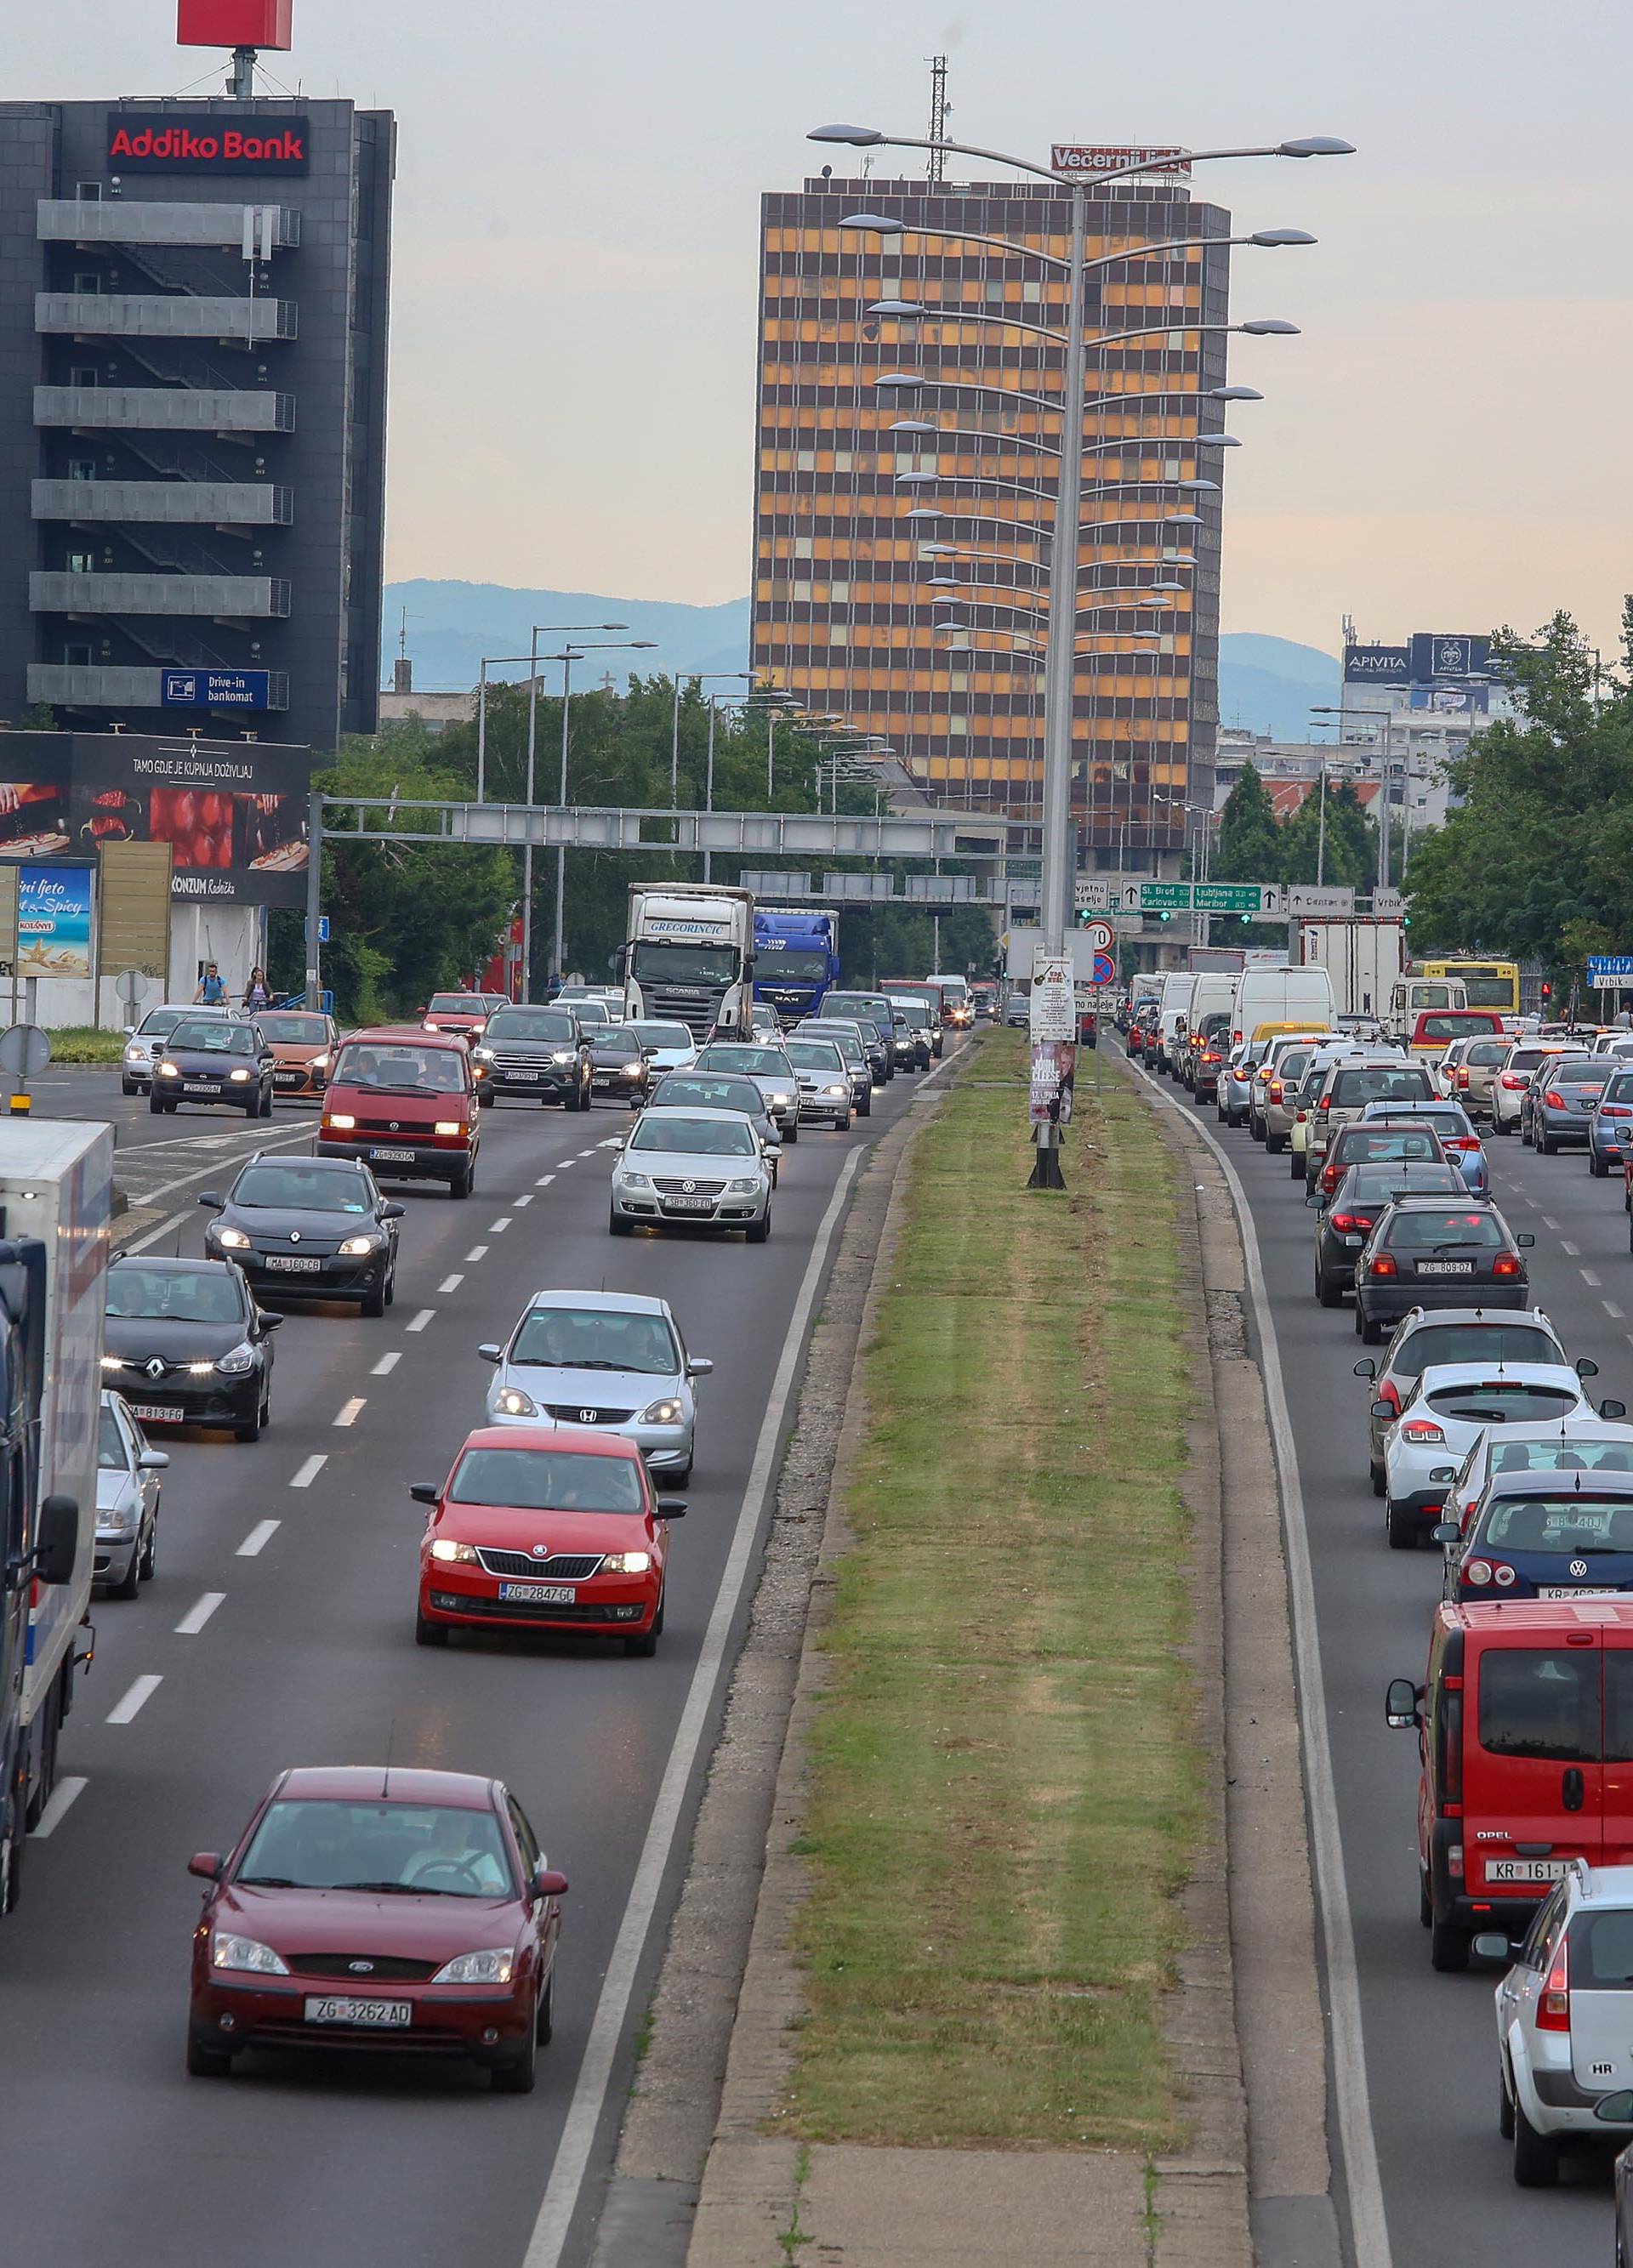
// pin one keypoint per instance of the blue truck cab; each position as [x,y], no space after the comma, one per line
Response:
[796,958]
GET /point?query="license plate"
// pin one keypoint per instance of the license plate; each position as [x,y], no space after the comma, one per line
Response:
[372,2016]
[535,1075]
[540,1595]
[1354,1239]
[688,1205]
[1528,1870]
[1574,1591]
[393,1157]
[199,1086]
[1446,1267]
[288,1261]
[287,1078]
[151,1413]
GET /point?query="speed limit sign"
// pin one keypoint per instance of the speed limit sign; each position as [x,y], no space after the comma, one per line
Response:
[1100,935]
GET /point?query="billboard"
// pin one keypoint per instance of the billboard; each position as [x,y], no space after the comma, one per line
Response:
[234,23]
[215,689]
[233,812]
[1443,654]
[1376,665]
[157,142]
[1084,160]
[54,912]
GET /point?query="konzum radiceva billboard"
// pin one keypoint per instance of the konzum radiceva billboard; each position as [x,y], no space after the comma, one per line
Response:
[234,812]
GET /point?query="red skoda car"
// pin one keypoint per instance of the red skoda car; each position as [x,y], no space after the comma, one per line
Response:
[370,1907]
[545,1527]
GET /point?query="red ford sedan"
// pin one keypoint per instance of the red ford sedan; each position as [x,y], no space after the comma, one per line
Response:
[545,1527]
[373,1907]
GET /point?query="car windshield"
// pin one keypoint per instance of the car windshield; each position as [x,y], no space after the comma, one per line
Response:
[401,1067]
[1453,1026]
[816,1055]
[1351,1090]
[915,1012]
[758,1062]
[1486,1052]
[595,1338]
[1502,1402]
[1354,1143]
[1569,1523]
[661,961]
[301,1189]
[803,965]
[592,1012]
[718,1093]
[150,1289]
[547,1480]
[294,1030]
[1583,1075]
[457,1004]
[1373,1184]
[1492,1342]
[1450,1122]
[211,1037]
[110,1445]
[617,1040]
[157,1022]
[662,1036]
[1561,1452]
[1434,1225]
[429,1850]
[698,1137]
[541,1024]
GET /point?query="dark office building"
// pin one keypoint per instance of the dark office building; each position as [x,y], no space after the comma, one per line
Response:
[193,336]
[915,608]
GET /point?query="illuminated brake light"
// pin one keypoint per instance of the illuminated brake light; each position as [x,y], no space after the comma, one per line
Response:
[1513,1082]
[1505,1265]
[1554,2002]
[1385,1266]
[1350,1223]
[1554,1099]
[1276,1090]
[1462,1078]
[1420,1428]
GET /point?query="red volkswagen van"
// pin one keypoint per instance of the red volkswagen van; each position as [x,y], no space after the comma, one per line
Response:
[405,1101]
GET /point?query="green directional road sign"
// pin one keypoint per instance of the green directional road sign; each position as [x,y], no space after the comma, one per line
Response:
[1167,897]
[1235,897]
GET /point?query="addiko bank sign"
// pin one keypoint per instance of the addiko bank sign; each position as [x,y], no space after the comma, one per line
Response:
[162,142]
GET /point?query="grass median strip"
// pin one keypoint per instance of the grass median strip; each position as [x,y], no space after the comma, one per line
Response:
[1005,1781]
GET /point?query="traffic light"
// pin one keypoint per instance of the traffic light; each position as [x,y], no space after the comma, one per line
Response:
[1547,991]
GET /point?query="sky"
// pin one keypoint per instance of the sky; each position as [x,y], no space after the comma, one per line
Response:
[576,218]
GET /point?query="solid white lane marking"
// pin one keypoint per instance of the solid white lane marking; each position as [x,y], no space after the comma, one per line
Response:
[1369,2225]
[141,1689]
[422,1319]
[57,1811]
[387,1363]
[450,1284]
[1572,1251]
[350,1411]
[1588,1276]
[476,1252]
[1613,1311]
[589,2093]
[308,1472]
[525,1199]
[543,1180]
[195,1617]
[498,1227]
[258,1538]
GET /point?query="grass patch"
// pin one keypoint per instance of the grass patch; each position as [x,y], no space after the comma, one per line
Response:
[1006,1784]
[78,1043]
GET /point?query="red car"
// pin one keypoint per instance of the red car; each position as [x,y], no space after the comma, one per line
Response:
[545,1527]
[405,1102]
[375,1907]
[465,1014]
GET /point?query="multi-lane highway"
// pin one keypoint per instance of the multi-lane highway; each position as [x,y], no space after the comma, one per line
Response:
[1449,2194]
[279,1631]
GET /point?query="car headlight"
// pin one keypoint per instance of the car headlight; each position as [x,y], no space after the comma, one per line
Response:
[667,1412]
[242,1076]
[136,1055]
[627,1562]
[446,1549]
[227,1952]
[781,1102]
[113,1362]
[355,1245]
[635,1181]
[340,1121]
[483,1055]
[169,1070]
[513,1402]
[745,1186]
[234,1239]
[563,1055]
[448,1126]
[233,1364]
[428,1026]
[319,1063]
[632,1070]
[494,1966]
[834,1090]
[123,1521]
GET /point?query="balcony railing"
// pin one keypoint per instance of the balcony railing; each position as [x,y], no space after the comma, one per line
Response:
[109,314]
[175,503]
[236,597]
[79,685]
[164,409]
[122,220]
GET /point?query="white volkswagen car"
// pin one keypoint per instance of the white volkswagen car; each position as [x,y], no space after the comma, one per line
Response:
[692,1169]
[611,1359]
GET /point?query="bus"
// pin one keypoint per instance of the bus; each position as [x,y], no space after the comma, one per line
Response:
[1488,983]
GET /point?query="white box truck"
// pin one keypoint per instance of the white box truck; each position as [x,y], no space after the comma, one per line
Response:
[1364,960]
[689,956]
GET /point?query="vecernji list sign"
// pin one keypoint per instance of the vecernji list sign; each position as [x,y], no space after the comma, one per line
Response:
[140,142]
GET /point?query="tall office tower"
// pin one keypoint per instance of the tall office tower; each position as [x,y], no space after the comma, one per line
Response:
[193,332]
[905,481]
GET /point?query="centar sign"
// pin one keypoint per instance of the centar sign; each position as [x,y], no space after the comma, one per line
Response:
[139,143]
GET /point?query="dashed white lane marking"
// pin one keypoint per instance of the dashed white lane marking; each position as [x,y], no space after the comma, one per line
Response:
[476,1252]
[422,1319]
[1548,1221]
[349,1412]
[498,1227]
[450,1284]
[1613,1311]
[1588,1276]
[1572,1251]
[526,1199]
[258,1538]
[143,1690]
[387,1363]
[195,1617]
[61,1802]
[309,1472]
[543,1180]
[566,1162]
[590,1154]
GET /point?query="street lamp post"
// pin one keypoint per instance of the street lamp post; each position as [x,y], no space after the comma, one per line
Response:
[567,658]
[693,677]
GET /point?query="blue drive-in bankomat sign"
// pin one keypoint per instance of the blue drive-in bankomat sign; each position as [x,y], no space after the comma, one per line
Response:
[216,689]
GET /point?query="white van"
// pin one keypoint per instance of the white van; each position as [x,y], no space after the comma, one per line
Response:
[1299,999]
[1410,996]
[1216,990]
[1174,1024]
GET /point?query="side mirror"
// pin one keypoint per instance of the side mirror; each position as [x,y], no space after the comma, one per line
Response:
[1492,1945]
[266,1322]
[153,1461]
[550,1882]
[423,1491]
[1609,1408]
[1383,1410]
[57,1546]
[489,1353]
[1525,1240]
[392,1212]
[130,1031]
[1366,1369]
[206,1864]
[700,1365]
[1447,1531]
[1615,2109]
[671,1507]
[211,1203]
[1587,1368]
[1401,1705]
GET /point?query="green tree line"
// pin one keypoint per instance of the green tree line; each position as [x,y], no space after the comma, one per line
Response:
[1254,845]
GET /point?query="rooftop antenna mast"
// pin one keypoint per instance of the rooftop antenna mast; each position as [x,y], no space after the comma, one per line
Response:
[937,170]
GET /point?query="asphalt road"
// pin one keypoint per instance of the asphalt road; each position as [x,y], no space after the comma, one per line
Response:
[1431,2040]
[110,2153]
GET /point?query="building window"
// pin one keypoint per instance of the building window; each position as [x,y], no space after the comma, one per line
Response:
[87,283]
[88,374]
[82,468]
[76,654]
[90,193]
[82,563]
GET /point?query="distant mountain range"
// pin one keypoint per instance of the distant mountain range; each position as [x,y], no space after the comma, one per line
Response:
[1265,684]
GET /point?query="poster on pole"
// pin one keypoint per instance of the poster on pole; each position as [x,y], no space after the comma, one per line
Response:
[1053,1009]
[53,914]
[1054,1066]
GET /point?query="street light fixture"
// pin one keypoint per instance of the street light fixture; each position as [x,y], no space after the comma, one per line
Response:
[567,658]
[698,677]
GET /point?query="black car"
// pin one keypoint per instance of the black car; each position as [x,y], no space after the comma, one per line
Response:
[1424,1252]
[187,1345]
[207,1059]
[540,1055]
[621,1066]
[911,1046]
[1347,1218]
[309,1229]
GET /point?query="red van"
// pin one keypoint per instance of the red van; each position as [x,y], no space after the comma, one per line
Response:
[1525,1725]
[1436,1028]
[405,1101]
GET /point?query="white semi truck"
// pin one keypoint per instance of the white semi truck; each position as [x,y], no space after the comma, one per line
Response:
[689,956]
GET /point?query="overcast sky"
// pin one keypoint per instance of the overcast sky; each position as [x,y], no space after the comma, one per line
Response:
[1445,447]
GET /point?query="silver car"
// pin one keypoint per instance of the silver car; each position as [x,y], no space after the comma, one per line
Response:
[692,1169]
[127,1500]
[825,1092]
[614,1361]
[771,1071]
[142,1041]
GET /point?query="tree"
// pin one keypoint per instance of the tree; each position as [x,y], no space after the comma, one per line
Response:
[1248,847]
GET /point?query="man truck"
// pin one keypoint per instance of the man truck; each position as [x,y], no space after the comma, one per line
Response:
[56,1212]
[688,957]
[796,958]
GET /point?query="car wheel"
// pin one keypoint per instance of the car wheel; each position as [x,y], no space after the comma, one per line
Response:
[250,1432]
[252,1108]
[545,2023]
[1400,1525]
[790,1134]
[1295,1166]
[1448,1946]
[1254,1127]
[159,1106]
[1599,1168]
[864,1109]
[127,1087]
[1547,1145]
[757,1231]
[1425,1903]
[463,1181]
[486,1098]
[681,1478]
[517,2077]
[1536,2156]
[1275,1144]
[1376,1475]
[207,2063]
[391,1286]
[132,1582]
[266,1104]
[1505,2106]
[1372,1334]
[373,1303]
[643,1648]
[1326,1292]
[429,1633]
[149,1557]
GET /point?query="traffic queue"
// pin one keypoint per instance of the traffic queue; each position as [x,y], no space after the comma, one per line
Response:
[438,1913]
[1482,1438]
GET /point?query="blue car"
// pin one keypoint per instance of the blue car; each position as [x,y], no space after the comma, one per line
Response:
[1456,1130]
[1610,1126]
[1549,1535]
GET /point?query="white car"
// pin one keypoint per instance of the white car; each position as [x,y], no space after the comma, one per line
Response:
[127,1500]
[614,1361]
[142,1043]
[1450,1405]
[692,1169]
[1513,1077]
[669,1047]
[824,1082]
